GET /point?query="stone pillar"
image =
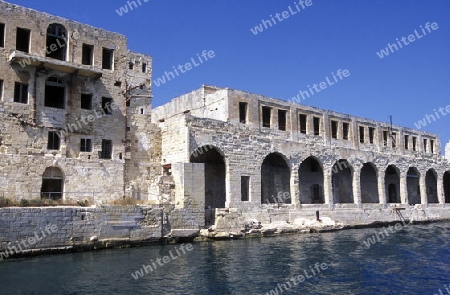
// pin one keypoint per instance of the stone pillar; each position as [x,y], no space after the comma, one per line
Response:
[381,188]
[328,186]
[423,189]
[357,186]
[440,188]
[295,196]
[403,188]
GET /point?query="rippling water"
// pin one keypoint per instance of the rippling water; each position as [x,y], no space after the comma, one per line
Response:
[413,260]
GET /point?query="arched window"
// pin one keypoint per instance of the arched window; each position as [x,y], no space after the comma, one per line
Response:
[56,42]
[52,183]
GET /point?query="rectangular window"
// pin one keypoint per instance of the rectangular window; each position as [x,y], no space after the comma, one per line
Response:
[371,134]
[107,59]
[245,188]
[106,105]
[316,125]
[87,54]
[55,94]
[23,40]
[54,140]
[425,143]
[282,120]
[2,35]
[394,139]
[414,143]
[406,142]
[385,137]
[361,134]
[266,113]
[432,146]
[1,89]
[21,93]
[345,130]
[86,101]
[144,68]
[302,119]
[334,129]
[106,152]
[85,145]
[243,112]
[130,65]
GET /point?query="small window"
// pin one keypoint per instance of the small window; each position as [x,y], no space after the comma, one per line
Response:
[2,35]
[106,152]
[371,134]
[85,145]
[361,134]
[414,143]
[107,59]
[243,112]
[128,101]
[55,93]
[432,146]
[345,130]
[302,119]
[316,124]
[21,93]
[425,143]
[282,120]
[54,140]
[86,101]
[23,40]
[106,105]
[1,89]
[266,113]
[130,65]
[334,129]
[144,68]
[394,139]
[87,54]
[245,188]
[385,137]
[406,142]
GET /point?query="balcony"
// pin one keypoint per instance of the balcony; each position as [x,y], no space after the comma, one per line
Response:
[26,59]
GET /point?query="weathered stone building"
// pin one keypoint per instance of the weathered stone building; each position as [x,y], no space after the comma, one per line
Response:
[74,110]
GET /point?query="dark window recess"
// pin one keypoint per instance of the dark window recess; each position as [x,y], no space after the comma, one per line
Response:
[432,146]
[55,92]
[130,65]
[85,145]
[87,54]
[345,130]
[144,68]
[106,151]
[54,140]
[21,93]
[1,89]
[2,35]
[106,105]
[385,138]
[316,124]
[86,101]
[334,129]
[245,188]
[282,120]
[302,119]
[23,40]
[128,102]
[266,114]
[243,112]
[406,142]
[118,84]
[56,42]
[414,143]
[394,139]
[425,143]
[107,59]
[371,134]
[361,134]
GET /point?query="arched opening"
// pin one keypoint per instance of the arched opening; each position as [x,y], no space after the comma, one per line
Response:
[275,180]
[431,184]
[311,182]
[392,183]
[342,179]
[413,187]
[215,192]
[55,93]
[52,183]
[446,182]
[56,42]
[369,184]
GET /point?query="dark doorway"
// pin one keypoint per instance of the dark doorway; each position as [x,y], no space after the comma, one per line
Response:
[369,184]
[392,183]
[275,180]
[413,187]
[311,182]
[446,181]
[431,184]
[342,180]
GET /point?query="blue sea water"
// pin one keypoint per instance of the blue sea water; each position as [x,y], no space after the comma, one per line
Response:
[412,260]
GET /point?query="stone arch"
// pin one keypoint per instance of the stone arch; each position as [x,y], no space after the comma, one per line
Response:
[446,183]
[431,185]
[52,183]
[369,183]
[275,179]
[311,181]
[392,184]
[413,185]
[56,45]
[342,180]
[215,173]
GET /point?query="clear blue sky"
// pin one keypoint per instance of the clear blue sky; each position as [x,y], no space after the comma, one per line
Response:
[296,52]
